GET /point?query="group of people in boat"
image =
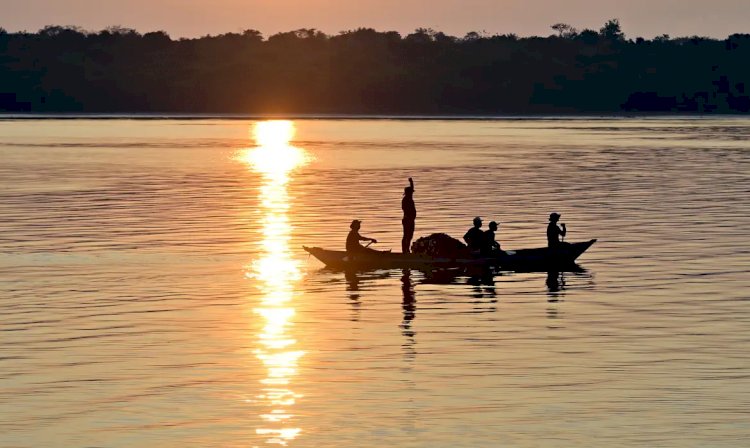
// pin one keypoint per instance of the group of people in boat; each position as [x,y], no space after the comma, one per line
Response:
[481,242]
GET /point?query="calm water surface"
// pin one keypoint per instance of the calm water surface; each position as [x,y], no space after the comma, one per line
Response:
[153,289]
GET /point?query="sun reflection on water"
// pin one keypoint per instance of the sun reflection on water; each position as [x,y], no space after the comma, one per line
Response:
[276,273]
[274,157]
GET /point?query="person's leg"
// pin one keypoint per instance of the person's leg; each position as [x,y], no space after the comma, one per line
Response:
[408,235]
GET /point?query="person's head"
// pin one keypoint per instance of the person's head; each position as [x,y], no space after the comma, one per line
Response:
[493,226]
[554,217]
[408,191]
[477,222]
[355,225]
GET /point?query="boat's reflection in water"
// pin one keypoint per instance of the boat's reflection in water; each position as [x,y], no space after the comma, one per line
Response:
[556,281]
[482,282]
[276,274]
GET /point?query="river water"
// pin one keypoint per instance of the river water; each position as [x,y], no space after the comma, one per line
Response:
[154,290]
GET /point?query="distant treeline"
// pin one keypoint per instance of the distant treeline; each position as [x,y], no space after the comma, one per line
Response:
[66,69]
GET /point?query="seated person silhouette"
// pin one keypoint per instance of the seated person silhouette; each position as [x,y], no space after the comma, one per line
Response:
[554,232]
[490,245]
[475,236]
[353,239]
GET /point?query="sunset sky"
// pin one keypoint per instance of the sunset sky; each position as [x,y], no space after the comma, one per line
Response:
[192,18]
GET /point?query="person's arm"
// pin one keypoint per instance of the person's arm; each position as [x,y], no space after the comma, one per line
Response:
[467,237]
[492,242]
[364,238]
[411,183]
[564,230]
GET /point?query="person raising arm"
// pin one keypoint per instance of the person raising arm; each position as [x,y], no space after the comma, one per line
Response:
[410,216]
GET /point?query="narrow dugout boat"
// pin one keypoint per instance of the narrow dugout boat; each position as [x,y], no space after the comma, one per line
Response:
[542,258]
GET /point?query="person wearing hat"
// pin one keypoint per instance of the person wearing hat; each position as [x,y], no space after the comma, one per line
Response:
[410,215]
[353,239]
[475,236]
[554,232]
[490,245]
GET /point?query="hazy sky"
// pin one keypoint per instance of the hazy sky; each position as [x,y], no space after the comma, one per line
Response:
[191,18]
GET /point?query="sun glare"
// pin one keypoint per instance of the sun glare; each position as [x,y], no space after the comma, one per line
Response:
[274,156]
[273,133]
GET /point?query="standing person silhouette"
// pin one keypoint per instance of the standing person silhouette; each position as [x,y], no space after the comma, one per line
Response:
[410,215]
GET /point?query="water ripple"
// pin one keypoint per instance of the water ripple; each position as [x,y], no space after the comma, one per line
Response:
[128,318]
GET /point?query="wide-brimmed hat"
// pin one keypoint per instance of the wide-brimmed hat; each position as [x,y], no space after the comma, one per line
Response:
[355,222]
[477,219]
[553,216]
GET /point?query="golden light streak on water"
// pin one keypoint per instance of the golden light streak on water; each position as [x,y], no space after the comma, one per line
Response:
[276,273]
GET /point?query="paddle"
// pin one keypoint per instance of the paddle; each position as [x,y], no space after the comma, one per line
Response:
[368,245]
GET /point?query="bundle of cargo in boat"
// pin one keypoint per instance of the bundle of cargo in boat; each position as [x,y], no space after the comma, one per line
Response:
[439,245]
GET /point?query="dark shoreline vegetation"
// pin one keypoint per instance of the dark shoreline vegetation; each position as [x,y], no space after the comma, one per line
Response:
[366,72]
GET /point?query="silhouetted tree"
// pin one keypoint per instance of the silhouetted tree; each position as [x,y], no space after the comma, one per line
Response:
[564,30]
[472,35]
[612,31]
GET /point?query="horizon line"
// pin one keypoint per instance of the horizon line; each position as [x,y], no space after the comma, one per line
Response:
[266,36]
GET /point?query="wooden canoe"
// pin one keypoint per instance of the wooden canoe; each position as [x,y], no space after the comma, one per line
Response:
[542,258]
